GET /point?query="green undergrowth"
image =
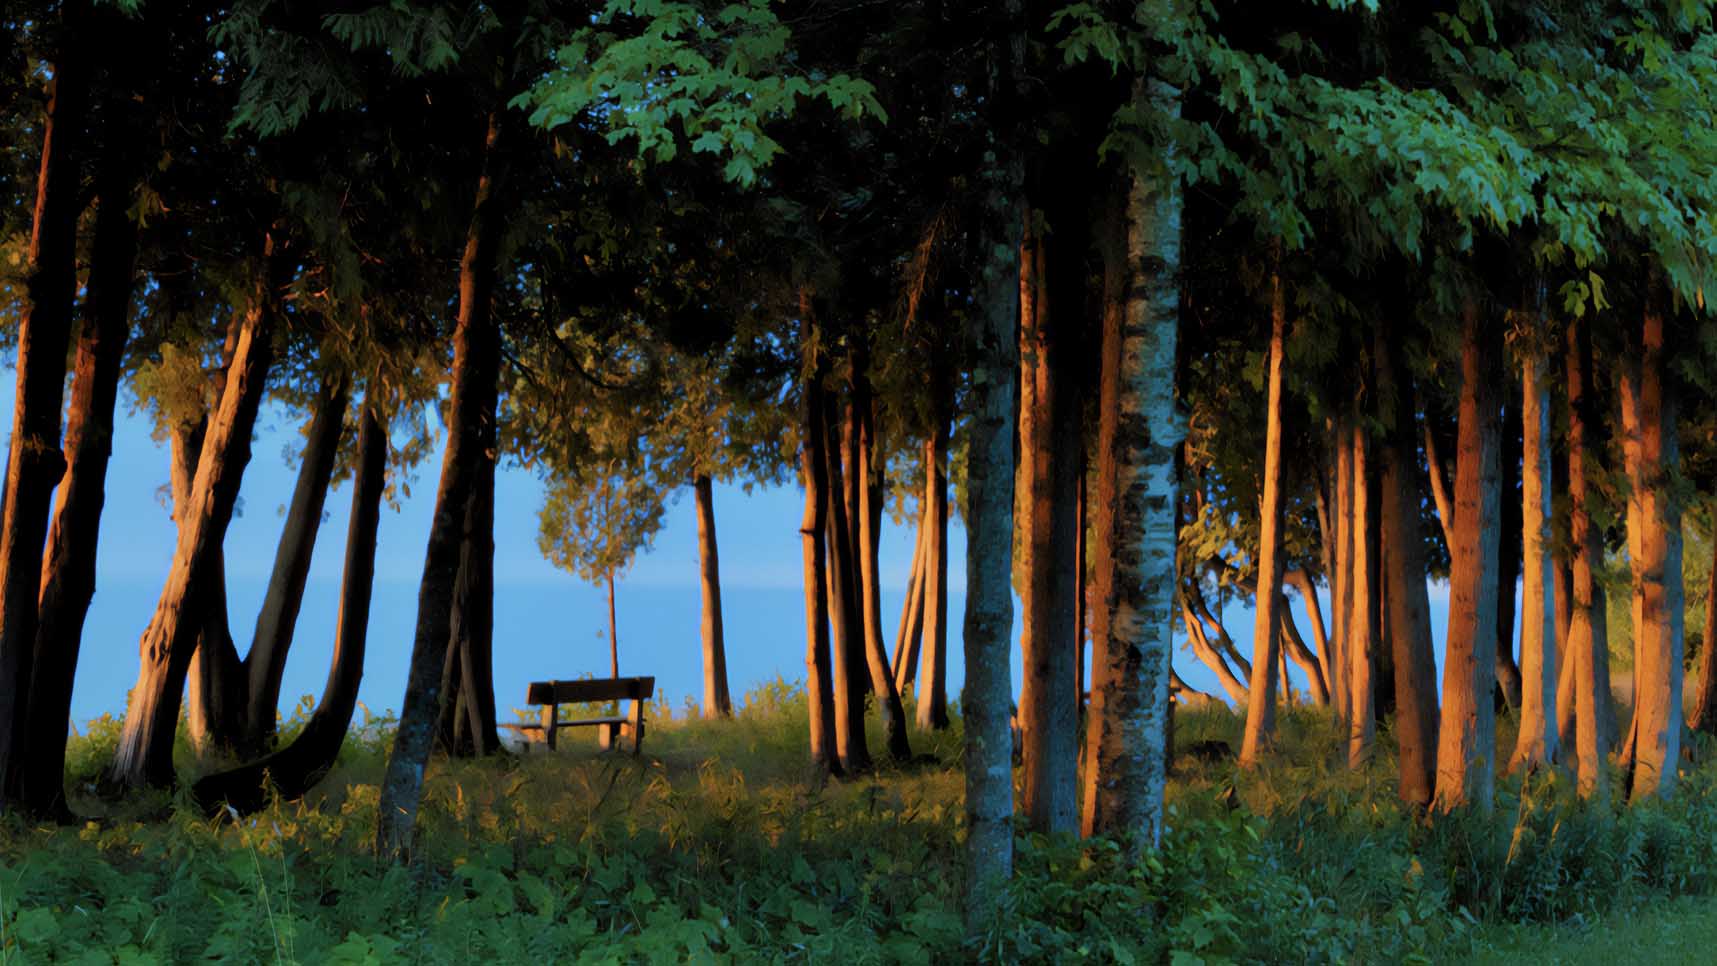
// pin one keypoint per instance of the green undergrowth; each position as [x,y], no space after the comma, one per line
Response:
[719,844]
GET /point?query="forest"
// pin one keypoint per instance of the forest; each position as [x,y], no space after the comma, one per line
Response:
[1385,320]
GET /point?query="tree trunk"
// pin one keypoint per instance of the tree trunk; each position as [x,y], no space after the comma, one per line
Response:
[1702,717]
[1211,657]
[35,461]
[1302,655]
[1466,749]
[992,351]
[907,638]
[813,469]
[1362,639]
[613,631]
[473,617]
[1139,433]
[296,768]
[1341,578]
[1439,486]
[145,753]
[932,685]
[266,662]
[869,597]
[716,703]
[1588,643]
[1535,746]
[1651,449]
[471,409]
[1408,608]
[1261,710]
[69,571]
[1046,504]
[850,673]
[1302,582]
[1510,550]
[1223,643]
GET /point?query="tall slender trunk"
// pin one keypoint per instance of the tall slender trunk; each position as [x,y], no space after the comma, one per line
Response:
[813,470]
[1702,715]
[296,768]
[1266,642]
[613,631]
[1362,640]
[1652,452]
[1049,427]
[1588,644]
[1509,555]
[1139,433]
[850,674]
[1439,486]
[907,638]
[145,753]
[1308,590]
[1535,746]
[1466,748]
[1295,648]
[716,703]
[471,408]
[1408,608]
[992,351]
[932,685]
[35,461]
[869,590]
[1341,578]
[266,662]
[69,569]
[1080,604]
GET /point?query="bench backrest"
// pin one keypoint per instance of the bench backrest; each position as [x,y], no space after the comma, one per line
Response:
[593,689]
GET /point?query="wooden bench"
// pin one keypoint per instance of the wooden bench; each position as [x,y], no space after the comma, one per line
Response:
[550,695]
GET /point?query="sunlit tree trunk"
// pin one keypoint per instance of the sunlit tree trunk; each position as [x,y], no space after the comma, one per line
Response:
[1261,710]
[69,568]
[911,632]
[850,674]
[1535,746]
[1045,506]
[1651,451]
[1702,716]
[296,768]
[1466,749]
[1362,636]
[1588,643]
[868,587]
[1509,555]
[266,662]
[932,684]
[716,703]
[1308,591]
[35,461]
[1341,577]
[145,753]
[1294,647]
[813,470]
[471,409]
[1139,432]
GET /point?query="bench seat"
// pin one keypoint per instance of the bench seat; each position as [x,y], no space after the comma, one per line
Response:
[550,695]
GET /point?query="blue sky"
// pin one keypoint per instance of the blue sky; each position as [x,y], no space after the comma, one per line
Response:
[548,624]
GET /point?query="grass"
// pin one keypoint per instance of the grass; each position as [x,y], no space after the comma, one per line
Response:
[720,844]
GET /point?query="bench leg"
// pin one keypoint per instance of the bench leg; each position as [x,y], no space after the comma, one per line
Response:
[637,726]
[551,716]
[605,735]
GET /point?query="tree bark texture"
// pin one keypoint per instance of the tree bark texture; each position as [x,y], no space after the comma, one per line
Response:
[1466,749]
[1363,639]
[69,569]
[35,461]
[932,687]
[865,533]
[471,410]
[716,702]
[1266,640]
[294,769]
[1588,638]
[813,468]
[850,674]
[911,633]
[145,753]
[1651,450]
[1047,463]
[1535,746]
[266,661]
[1140,430]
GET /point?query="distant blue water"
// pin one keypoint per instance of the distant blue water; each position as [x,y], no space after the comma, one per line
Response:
[547,623]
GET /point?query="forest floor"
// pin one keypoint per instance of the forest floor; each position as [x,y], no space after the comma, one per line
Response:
[719,844]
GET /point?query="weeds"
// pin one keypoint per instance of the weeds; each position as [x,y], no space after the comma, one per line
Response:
[721,844]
